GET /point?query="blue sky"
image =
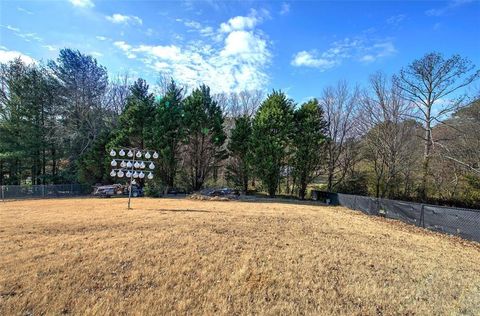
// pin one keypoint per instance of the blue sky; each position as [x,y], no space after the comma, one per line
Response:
[297,46]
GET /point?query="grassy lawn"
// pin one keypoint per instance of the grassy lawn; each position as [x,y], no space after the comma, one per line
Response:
[168,256]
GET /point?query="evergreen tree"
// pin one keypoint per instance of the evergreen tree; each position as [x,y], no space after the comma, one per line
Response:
[167,132]
[134,124]
[307,140]
[27,121]
[94,164]
[204,136]
[83,86]
[239,149]
[272,127]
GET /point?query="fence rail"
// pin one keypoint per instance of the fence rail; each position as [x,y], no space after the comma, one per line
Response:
[9,192]
[461,222]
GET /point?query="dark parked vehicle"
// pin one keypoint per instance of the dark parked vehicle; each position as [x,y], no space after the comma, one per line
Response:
[176,191]
[117,189]
[220,192]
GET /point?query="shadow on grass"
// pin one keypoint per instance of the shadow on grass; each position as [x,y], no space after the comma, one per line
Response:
[249,199]
[261,199]
[181,210]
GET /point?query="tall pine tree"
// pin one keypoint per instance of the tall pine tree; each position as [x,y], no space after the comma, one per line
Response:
[239,168]
[204,136]
[272,127]
[307,142]
[167,132]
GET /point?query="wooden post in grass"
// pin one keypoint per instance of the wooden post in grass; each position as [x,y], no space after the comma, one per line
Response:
[131,177]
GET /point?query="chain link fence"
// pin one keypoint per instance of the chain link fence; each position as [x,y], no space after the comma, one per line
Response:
[18,192]
[450,220]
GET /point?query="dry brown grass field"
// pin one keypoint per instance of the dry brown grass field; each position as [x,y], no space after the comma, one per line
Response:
[169,256]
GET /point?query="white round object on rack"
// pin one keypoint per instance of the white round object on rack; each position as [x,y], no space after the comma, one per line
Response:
[136,165]
[121,152]
[128,174]
[112,153]
[142,165]
[113,163]
[150,175]
[120,174]
[139,154]
[147,155]
[155,155]
[130,153]
[123,164]
[129,164]
[113,173]
[135,174]
[141,175]
[151,165]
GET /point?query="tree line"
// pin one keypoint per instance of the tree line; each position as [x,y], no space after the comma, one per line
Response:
[413,135]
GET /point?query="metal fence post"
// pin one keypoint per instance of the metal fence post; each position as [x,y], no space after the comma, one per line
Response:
[3,193]
[43,190]
[422,216]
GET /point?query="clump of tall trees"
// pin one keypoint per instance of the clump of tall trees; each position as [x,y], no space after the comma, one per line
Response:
[413,135]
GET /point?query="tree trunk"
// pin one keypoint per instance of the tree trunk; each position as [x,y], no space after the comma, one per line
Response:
[330,180]
[271,191]
[54,165]
[245,184]
[302,191]
[426,157]
[377,188]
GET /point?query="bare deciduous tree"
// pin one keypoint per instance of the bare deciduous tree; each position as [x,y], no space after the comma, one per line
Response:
[118,91]
[340,106]
[238,104]
[386,134]
[426,83]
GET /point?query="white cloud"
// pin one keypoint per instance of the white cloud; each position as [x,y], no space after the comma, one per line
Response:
[50,47]
[30,36]
[126,48]
[9,55]
[149,32]
[367,58]
[239,23]
[396,19]
[101,38]
[193,24]
[26,36]
[384,49]
[171,52]
[285,8]
[206,31]
[24,11]
[124,19]
[82,3]
[247,45]
[445,9]
[361,49]
[310,59]
[12,28]
[236,62]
